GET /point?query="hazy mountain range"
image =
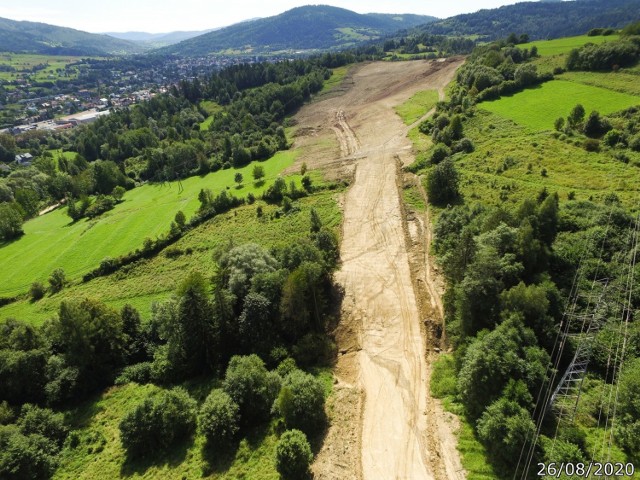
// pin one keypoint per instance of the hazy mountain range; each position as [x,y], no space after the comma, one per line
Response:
[321,27]
[157,40]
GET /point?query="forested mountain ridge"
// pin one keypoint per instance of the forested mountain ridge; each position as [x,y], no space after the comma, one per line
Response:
[34,37]
[539,19]
[301,28]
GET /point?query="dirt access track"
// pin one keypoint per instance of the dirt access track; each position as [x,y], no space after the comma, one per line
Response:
[384,423]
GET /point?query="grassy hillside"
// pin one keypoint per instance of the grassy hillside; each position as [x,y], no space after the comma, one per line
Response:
[32,37]
[511,162]
[537,108]
[156,278]
[301,28]
[53,241]
[566,44]
[507,169]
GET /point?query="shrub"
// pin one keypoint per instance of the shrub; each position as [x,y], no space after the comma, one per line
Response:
[293,455]
[464,145]
[25,456]
[6,413]
[314,349]
[102,204]
[634,144]
[442,183]
[118,192]
[628,427]
[37,290]
[504,428]
[306,183]
[43,421]
[172,252]
[252,387]
[219,418]
[243,263]
[301,402]
[596,126]
[10,221]
[591,145]
[612,138]
[440,152]
[258,172]
[158,422]
[57,280]
[140,373]
[180,219]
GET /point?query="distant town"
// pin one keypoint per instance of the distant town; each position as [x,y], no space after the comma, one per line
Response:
[87,89]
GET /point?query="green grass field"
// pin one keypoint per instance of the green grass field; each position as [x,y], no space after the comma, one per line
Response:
[417,106]
[537,108]
[24,63]
[53,241]
[156,278]
[565,45]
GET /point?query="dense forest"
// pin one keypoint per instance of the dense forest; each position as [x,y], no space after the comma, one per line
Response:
[541,20]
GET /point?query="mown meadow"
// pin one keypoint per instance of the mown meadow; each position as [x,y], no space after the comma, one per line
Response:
[53,241]
[564,45]
[538,107]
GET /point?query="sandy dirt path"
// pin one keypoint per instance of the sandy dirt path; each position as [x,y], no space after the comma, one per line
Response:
[382,345]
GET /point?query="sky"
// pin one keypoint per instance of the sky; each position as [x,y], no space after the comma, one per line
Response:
[159,16]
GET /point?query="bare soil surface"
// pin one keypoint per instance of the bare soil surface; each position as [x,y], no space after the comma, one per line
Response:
[385,425]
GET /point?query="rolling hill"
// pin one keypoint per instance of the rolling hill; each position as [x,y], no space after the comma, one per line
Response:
[540,20]
[302,28]
[41,38]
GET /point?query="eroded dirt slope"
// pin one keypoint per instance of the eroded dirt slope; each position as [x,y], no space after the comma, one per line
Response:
[385,424]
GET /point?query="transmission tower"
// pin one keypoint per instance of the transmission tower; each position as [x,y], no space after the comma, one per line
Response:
[566,396]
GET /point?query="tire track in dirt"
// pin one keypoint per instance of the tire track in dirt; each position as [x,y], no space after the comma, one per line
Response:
[383,360]
[346,137]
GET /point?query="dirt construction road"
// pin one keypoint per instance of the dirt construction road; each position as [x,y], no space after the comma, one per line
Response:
[380,337]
